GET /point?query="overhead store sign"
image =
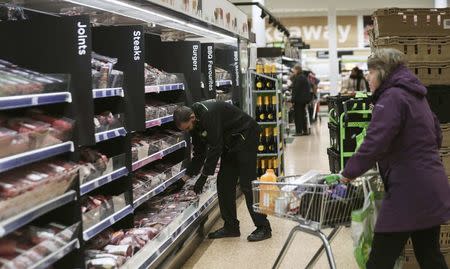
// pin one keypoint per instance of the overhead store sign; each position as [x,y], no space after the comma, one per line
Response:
[314,31]
[220,13]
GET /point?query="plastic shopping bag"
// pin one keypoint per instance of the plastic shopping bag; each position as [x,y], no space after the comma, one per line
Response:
[363,225]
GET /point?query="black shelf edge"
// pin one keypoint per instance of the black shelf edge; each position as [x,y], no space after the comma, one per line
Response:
[18,101]
[108,92]
[265,91]
[158,155]
[102,180]
[9,225]
[262,75]
[110,134]
[18,160]
[268,123]
[164,88]
[158,189]
[107,222]
[158,122]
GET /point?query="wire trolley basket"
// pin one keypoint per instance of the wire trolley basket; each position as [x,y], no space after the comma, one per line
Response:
[312,202]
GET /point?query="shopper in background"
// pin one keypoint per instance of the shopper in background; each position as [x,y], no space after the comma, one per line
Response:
[355,82]
[221,130]
[404,137]
[301,96]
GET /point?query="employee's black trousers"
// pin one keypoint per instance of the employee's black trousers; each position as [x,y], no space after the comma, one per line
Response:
[387,247]
[233,165]
[300,118]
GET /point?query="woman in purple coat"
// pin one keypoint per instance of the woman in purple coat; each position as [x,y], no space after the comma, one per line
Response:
[404,137]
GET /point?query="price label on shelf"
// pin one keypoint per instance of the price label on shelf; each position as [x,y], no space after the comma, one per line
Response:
[35,100]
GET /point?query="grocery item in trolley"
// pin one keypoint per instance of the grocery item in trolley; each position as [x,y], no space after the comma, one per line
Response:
[313,197]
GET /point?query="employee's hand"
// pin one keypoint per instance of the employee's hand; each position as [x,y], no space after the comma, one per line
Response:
[200,183]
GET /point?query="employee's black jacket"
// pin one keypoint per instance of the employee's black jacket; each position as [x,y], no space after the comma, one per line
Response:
[301,90]
[220,127]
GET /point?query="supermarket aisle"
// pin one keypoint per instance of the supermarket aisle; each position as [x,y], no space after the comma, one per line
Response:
[305,153]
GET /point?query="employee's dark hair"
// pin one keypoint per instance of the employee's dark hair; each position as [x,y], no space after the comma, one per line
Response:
[182,114]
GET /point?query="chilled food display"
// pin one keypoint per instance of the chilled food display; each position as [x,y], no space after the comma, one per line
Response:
[103,74]
[99,207]
[222,74]
[15,80]
[24,188]
[107,121]
[144,145]
[157,109]
[28,246]
[154,76]
[33,131]
[146,179]
[111,249]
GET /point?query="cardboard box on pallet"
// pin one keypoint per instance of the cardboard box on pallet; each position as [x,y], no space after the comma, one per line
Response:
[411,22]
[417,48]
[431,73]
[445,135]
[445,157]
[410,261]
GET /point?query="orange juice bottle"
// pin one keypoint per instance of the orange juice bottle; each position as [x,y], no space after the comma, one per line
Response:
[268,193]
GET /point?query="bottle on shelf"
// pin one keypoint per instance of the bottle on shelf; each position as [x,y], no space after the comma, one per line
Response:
[260,112]
[266,107]
[269,163]
[270,85]
[274,71]
[259,80]
[270,145]
[274,140]
[275,166]
[270,108]
[262,143]
[262,167]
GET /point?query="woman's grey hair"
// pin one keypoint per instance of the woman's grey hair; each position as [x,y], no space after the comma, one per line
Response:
[385,61]
[182,114]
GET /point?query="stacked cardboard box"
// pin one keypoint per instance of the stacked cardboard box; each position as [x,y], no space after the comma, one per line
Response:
[422,34]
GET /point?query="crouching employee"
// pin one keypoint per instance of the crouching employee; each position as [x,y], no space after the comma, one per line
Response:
[221,130]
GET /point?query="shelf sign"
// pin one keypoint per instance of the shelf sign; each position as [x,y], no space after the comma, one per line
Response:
[136,45]
[82,36]
[194,57]
[236,67]
[210,55]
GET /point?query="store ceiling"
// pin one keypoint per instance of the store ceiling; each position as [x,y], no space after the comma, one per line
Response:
[307,8]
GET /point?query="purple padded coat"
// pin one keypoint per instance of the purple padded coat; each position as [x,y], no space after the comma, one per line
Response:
[404,137]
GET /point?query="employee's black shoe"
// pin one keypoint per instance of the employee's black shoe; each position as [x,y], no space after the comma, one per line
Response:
[261,233]
[223,233]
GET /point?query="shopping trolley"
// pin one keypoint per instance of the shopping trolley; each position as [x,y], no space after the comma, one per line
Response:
[316,202]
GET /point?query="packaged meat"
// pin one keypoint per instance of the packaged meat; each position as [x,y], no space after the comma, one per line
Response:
[28,186]
[122,250]
[101,240]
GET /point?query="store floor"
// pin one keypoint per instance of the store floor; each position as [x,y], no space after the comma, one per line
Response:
[303,154]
